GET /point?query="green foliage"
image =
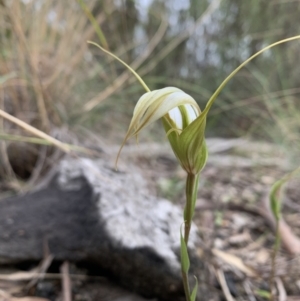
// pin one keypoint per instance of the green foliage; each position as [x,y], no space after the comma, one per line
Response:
[263,294]
[275,199]
[275,193]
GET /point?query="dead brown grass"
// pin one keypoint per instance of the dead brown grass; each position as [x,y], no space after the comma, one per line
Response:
[42,43]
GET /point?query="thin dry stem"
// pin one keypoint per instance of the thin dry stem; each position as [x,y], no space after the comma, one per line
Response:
[37,85]
[66,282]
[224,285]
[34,131]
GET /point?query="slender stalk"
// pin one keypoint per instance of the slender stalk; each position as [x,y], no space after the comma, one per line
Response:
[34,131]
[191,196]
[186,285]
[273,259]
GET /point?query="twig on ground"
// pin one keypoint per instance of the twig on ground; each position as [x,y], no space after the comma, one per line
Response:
[248,290]
[234,261]
[40,271]
[223,283]
[281,290]
[66,282]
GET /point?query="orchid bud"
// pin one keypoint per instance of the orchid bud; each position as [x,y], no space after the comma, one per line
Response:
[182,121]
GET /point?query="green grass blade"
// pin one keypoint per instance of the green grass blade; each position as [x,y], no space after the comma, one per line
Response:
[263,293]
[275,199]
[274,196]
[95,24]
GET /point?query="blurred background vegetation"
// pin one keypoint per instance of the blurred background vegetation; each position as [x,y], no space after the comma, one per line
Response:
[52,79]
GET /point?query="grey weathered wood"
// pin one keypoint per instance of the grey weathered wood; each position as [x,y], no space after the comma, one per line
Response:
[89,212]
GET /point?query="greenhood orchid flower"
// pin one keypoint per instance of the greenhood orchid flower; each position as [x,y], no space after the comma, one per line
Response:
[179,113]
[184,124]
[183,120]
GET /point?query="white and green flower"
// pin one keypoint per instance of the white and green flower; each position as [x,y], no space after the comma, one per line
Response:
[180,114]
[183,120]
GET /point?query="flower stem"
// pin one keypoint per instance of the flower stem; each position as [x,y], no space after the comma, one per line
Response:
[191,196]
[273,259]
[186,285]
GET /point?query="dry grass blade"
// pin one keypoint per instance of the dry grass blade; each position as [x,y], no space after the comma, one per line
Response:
[42,141]
[234,261]
[281,290]
[35,131]
[14,15]
[43,54]
[28,299]
[40,271]
[25,276]
[18,276]
[41,46]
[37,273]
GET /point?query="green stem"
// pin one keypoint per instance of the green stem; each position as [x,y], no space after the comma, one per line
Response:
[191,197]
[273,263]
[186,285]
